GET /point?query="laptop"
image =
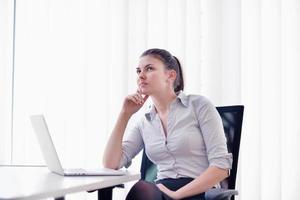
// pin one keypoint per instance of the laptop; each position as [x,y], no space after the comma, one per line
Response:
[51,158]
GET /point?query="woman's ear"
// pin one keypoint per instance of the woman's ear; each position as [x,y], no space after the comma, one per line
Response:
[172,75]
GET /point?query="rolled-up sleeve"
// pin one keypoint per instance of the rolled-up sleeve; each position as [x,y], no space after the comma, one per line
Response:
[131,146]
[214,137]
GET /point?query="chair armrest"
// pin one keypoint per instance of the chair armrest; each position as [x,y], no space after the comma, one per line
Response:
[220,194]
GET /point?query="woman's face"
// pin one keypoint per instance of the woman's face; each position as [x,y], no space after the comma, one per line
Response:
[153,78]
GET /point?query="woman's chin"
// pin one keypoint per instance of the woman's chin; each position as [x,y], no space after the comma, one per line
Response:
[144,92]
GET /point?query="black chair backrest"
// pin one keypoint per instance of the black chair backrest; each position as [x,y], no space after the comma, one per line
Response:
[232,117]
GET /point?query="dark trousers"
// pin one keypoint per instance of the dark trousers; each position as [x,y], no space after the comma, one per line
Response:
[144,190]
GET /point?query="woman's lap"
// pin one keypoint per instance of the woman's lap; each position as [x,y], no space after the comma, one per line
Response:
[147,191]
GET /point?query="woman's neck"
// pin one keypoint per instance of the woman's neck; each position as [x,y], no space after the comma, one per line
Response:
[162,102]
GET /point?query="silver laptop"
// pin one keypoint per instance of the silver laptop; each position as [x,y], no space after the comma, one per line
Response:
[51,158]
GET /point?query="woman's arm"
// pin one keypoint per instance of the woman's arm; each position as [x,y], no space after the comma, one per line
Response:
[113,150]
[210,177]
[219,159]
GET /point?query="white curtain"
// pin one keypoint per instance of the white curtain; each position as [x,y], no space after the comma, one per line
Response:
[270,64]
[75,61]
[6,73]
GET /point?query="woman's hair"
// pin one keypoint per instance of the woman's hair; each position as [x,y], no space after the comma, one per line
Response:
[171,63]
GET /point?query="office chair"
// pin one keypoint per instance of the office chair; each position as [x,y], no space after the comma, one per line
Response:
[232,117]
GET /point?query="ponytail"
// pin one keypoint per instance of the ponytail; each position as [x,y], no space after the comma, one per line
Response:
[179,79]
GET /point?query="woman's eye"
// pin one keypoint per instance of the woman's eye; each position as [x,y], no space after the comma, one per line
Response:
[138,71]
[149,68]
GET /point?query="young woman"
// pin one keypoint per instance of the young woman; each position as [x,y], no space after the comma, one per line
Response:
[182,134]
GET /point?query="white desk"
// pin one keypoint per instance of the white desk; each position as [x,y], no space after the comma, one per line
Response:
[37,182]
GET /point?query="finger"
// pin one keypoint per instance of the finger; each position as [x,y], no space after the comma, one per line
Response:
[138,99]
[131,98]
[139,91]
[145,97]
[140,96]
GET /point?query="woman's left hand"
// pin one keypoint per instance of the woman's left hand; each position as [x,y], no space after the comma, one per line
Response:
[167,191]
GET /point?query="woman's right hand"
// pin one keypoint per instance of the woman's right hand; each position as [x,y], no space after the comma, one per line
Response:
[113,151]
[133,103]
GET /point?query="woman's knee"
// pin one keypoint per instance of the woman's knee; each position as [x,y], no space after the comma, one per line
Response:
[144,190]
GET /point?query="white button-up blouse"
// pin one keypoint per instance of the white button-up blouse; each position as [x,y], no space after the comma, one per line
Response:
[195,139]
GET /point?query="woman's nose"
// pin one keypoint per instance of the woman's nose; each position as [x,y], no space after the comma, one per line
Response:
[141,75]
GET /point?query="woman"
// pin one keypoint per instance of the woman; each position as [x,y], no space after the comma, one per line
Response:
[182,134]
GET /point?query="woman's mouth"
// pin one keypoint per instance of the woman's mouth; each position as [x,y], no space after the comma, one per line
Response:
[142,84]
